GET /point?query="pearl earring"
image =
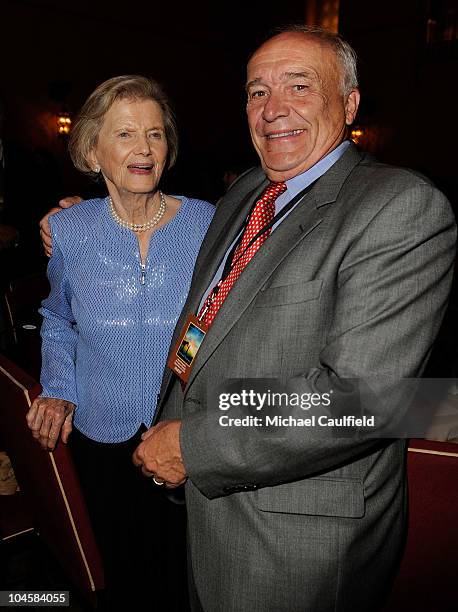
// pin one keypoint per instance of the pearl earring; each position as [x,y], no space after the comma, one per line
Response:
[97,169]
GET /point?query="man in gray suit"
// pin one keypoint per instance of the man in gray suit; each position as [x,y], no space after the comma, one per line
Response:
[351,283]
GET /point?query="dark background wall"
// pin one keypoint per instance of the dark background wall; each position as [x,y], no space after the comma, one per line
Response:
[55,52]
[408,54]
[197,50]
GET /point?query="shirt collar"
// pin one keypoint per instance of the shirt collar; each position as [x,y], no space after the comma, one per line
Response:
[301,181]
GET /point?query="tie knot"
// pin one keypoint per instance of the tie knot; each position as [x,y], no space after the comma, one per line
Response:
[272,191]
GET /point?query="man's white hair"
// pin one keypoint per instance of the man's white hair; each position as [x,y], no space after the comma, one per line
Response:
[344,52]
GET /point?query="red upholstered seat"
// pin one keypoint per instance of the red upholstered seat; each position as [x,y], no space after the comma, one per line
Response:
[50,482]
[429,571]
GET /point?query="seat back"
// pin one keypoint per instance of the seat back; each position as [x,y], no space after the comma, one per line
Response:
[428,573]
[23,298]
[51,484]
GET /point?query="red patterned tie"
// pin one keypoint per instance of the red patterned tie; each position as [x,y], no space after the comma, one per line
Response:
[261,215]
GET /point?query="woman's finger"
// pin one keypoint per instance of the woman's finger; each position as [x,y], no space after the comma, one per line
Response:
[31,414]
[67,428]
[36,418]
[46,426]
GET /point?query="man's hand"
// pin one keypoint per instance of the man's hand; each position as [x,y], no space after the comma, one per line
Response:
[47,418]
[45,231]
[159,454]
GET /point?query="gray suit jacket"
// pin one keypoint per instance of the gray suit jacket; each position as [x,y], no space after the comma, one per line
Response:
[353,283]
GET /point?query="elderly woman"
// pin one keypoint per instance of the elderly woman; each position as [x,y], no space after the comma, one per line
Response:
[119,275]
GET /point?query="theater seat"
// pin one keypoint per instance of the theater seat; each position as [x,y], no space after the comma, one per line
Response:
[51,485]
[22,299]
[429,571]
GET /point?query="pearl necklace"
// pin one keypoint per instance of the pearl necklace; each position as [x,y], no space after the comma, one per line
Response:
[140,227]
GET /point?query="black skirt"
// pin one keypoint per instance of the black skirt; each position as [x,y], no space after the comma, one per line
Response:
[140,532]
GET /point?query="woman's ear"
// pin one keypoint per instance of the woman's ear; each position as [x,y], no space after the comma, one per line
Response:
[92,162]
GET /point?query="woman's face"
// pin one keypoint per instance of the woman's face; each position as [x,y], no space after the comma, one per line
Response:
[132,147]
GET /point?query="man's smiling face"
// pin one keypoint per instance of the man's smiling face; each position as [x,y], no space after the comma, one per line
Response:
[296,110]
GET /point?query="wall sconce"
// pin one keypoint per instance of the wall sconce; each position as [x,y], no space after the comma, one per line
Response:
[357,134]
[64,123]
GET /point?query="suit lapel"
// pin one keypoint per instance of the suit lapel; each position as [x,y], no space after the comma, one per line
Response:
[227,222]
[299,223]
[305,217]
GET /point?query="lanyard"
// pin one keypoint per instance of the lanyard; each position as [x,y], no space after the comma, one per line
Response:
[230,264]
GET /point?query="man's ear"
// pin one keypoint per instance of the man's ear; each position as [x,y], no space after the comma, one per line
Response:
[351,106]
